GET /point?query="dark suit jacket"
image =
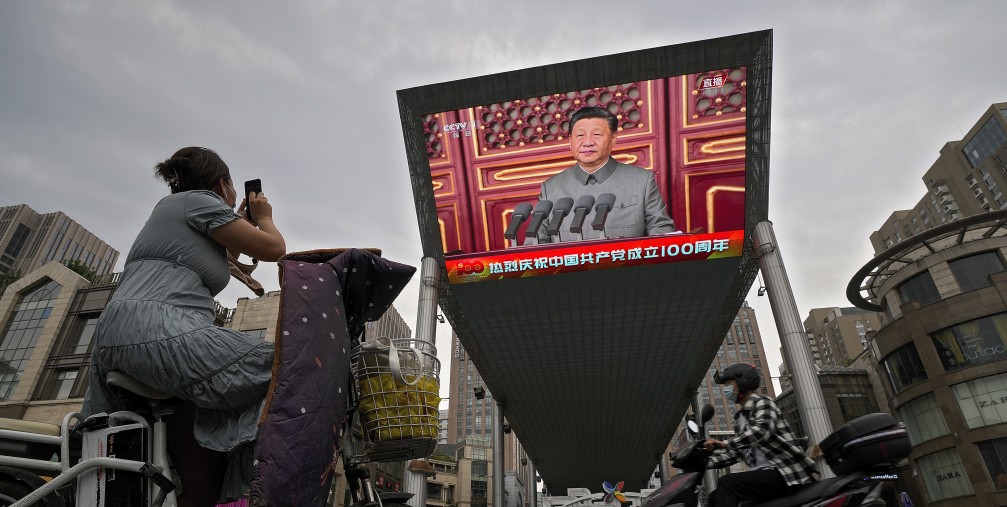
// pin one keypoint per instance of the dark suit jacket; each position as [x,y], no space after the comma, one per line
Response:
[639,209]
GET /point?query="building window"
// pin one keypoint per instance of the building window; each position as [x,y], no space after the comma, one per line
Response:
[853,394]
[987,140]
[983,401]
[92,300]
[434,492]
[923,419]
[905,368]
[256,333]
[17,241]
[971,343]
[920,288]
[944,475]
[21,333]
[63,385]
[994,453]
[83,342]
[973,272]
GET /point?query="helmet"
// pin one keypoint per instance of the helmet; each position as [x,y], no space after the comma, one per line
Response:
[746,376]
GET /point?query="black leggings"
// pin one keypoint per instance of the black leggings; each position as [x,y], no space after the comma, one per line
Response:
[200,470]
[755,486]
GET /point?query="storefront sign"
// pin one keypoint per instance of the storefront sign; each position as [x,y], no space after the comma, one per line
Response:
[983,401]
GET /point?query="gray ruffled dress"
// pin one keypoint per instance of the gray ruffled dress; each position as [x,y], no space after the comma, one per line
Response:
[159,327]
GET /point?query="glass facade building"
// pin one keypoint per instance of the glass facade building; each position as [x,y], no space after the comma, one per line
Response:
[941,356]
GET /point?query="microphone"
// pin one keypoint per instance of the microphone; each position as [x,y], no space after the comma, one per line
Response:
[580,210]
[520,214]
[537,215]
[559,212]
[604,205]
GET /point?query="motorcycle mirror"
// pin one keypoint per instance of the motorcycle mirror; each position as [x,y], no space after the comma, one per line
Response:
[707,413]
[693,427]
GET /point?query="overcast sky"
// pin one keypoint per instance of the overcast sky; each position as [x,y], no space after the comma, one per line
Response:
[302,95]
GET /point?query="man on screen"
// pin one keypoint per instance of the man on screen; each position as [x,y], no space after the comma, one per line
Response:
[638,209]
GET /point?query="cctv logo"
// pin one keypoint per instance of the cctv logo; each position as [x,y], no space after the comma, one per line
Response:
[455,127]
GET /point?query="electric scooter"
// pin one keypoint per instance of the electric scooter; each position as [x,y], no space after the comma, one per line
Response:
[864,453]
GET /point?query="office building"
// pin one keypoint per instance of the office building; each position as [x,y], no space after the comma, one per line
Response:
[968,178]
[941,352]
[391,325]
[442,430]
[847,392]
[442,485]
[839,334]
[48,320]
[470,414]
[28,240]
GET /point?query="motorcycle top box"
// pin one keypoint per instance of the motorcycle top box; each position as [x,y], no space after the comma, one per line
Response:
[865,442]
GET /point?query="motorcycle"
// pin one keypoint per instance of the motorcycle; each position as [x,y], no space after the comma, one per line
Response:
[864,453]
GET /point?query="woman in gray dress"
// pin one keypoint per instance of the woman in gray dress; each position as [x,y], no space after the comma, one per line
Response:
[159,325]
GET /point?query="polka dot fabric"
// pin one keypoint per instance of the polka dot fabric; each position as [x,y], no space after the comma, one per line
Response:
[327,297]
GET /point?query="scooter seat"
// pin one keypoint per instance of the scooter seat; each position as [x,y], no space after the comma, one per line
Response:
[29,427]
[811,492]
[118,379]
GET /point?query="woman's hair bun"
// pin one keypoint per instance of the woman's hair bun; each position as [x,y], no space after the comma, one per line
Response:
[192,168]
[173,171]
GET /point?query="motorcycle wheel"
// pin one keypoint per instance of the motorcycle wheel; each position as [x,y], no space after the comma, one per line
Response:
[16,484]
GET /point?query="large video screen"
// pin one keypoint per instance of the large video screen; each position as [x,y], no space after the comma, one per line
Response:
[606,177]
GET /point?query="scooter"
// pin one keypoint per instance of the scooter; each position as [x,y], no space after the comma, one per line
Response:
[864,453]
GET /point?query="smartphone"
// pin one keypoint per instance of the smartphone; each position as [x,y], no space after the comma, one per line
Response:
[252,186]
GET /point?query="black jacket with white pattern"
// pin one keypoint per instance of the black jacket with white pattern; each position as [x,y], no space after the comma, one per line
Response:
[769,432]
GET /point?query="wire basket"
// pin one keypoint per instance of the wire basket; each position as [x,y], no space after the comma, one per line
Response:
[400,420]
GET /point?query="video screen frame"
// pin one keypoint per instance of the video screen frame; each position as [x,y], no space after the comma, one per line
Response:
[751,51]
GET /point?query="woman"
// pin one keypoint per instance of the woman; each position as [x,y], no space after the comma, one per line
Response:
[159,325]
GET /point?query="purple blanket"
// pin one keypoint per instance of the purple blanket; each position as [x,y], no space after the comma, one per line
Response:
[327,297]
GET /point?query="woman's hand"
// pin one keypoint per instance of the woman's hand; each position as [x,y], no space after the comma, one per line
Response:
[261,209]
[258,239]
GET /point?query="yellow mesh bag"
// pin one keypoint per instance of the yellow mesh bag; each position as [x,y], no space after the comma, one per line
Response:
[398,397]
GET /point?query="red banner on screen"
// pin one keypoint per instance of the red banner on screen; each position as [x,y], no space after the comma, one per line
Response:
[572,257]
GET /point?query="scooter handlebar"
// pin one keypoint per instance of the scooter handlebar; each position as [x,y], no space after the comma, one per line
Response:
[692,457]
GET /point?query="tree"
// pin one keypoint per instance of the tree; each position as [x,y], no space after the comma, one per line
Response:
[81,269]
[9,278]
[440,456]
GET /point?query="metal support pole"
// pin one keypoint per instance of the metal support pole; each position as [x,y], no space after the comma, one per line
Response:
[426,313]
[417,472]
[426,332]
[709,476]
[796,351]
[498,456]
[534,485]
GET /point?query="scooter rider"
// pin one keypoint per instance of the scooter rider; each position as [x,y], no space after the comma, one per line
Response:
[777,464]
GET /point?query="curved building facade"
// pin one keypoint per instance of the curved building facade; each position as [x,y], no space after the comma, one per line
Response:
[942,354]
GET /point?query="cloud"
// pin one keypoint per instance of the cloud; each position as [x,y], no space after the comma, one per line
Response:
[302,95]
